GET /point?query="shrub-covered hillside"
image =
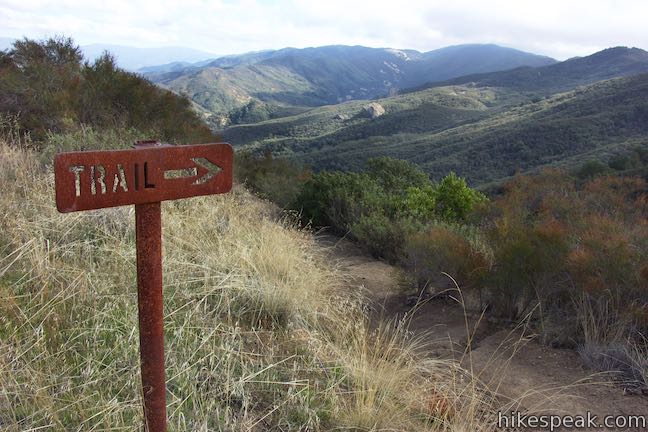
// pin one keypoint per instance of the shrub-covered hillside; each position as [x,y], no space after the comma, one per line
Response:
[483,134]
[46,86]
[566,254]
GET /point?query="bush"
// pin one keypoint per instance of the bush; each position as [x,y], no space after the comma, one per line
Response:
[442,249]
[591,169]
[339,200]
[378,207]
[276,179]
[454,199]
[395,176]
[383,237]
[554,242]
[529,267]
[420,203]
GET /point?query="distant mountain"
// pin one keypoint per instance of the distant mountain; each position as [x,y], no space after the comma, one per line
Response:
[183,67]
[485,134]
[609,63]
[175,66]
[455,61]
[132,58]
[246,58]
[135,58]
[331,74]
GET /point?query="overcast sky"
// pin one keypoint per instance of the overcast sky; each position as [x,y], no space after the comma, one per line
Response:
[558,28]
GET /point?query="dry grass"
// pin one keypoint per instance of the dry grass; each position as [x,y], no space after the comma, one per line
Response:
[609,347]
[261,332]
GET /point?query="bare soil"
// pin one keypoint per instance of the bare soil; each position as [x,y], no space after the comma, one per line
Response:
[527,375]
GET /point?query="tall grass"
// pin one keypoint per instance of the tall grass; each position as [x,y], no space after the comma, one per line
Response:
[262,333]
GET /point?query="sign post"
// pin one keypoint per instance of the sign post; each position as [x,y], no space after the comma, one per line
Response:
[144,176]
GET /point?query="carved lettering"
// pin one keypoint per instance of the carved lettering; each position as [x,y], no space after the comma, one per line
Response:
[120,179]
[77,170]
[94,180]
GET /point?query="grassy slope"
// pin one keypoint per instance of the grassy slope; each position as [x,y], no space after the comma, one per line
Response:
[260,332]
[483,144]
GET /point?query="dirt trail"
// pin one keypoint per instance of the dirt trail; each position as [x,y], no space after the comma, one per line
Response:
[530,376]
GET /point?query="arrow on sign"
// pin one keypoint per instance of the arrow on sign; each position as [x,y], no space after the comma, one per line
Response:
[212,170]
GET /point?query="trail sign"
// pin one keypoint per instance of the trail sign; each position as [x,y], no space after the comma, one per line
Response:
[97,179]
[144,176]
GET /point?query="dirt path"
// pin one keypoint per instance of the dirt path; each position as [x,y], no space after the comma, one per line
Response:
[524,373]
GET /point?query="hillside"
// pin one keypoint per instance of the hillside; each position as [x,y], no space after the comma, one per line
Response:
[483,134]
[430,110]
[49,87]
[330,74]
[606,64]
[263,332]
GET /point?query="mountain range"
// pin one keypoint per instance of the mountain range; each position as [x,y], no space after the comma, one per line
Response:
[609,63]
[484,127]
[289,79]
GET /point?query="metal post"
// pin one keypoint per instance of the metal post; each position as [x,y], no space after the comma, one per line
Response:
[148,233]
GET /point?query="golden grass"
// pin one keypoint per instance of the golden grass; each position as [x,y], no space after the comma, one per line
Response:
[261,332]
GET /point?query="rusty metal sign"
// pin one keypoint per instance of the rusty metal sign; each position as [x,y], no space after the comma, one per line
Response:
[144,176]
[96,179]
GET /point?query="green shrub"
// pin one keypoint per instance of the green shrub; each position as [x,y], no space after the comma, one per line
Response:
[454,199]
[591,169]
[625,162]
[395,176]
[338,199]
[420,202]
[382,236]
[381,206]
[277,179]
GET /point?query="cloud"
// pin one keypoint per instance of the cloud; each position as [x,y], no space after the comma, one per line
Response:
[557,28]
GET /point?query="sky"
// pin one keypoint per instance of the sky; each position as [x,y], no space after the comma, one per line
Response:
[557,28]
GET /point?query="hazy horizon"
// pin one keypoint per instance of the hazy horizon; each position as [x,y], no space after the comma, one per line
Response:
[137,57]
[553,28]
